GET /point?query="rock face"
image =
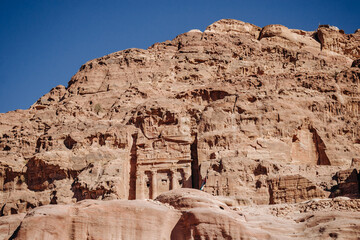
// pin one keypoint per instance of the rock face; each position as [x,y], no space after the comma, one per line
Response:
[190,214]
[292,189]
[261,115]
[336,40]
[90,219]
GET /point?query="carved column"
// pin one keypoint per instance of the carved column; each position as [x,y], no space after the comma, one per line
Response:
[187,181]
[172,180]
[139,185]
[153,184]
[2,180]
[2,177]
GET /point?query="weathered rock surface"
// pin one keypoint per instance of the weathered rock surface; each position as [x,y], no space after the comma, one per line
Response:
[336,40]
[9,225]
[191,214]
[292,189]
[91,219]
[262,115]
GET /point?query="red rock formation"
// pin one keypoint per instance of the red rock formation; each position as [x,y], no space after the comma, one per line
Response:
[264,115]
[116,219]
[189,214]
[292,189]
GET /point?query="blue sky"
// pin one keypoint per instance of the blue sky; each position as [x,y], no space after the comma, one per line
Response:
[44,42]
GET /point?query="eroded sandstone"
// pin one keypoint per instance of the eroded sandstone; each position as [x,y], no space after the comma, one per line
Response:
[261,115]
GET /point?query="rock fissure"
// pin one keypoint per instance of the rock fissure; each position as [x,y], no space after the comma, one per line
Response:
[195,173]
[133,167]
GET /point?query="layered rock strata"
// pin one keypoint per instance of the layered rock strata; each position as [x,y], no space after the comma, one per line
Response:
[261,115]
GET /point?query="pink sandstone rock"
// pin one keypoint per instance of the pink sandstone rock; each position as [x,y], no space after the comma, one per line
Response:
[90,219]
[262,115]
[190,214]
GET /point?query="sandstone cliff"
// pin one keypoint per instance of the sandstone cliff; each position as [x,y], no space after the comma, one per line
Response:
[266,115]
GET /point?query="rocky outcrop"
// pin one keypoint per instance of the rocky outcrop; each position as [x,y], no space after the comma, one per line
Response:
[9,225]
[254,116]
[292,189]
[91,219]
[331,38]
[347,183]
[188,214]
